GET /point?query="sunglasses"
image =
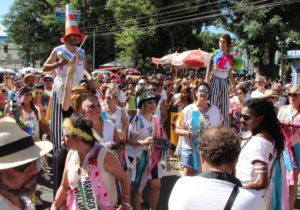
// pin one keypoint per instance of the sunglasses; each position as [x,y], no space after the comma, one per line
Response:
[110,97]
[38,93]
[48,80]
[3,91]
[154,90]
[293,94]
[93,106]
[206,91]
[247,118]
[22,168]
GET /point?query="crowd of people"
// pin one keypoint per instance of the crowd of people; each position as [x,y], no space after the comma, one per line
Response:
[237,138]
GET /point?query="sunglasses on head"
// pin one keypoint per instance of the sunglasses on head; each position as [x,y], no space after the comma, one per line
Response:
[3,91]
[293,94]
[204,91]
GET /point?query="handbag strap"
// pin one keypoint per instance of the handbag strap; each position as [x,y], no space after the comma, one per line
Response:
[231,198]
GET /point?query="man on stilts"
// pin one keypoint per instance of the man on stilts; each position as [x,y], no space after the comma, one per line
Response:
[59,61]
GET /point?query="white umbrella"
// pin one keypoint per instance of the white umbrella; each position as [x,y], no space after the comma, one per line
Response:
[10,71]
[27,70]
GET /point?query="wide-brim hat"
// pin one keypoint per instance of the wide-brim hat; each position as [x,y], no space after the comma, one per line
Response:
[295,89]
[270,93]
[28,76]
[71,26]
[17,147]
[146,96]
[47,77]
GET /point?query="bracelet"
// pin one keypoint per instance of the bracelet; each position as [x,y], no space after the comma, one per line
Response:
[57,64]
[126,204]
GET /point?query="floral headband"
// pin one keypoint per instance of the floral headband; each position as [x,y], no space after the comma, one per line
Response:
[76,131]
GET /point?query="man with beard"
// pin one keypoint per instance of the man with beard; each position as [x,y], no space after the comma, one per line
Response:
[19,165]
[59,61]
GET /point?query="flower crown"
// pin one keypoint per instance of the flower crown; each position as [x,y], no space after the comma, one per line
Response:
[76,131]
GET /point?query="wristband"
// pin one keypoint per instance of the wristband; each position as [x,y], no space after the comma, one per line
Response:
[126,204]
[57,64]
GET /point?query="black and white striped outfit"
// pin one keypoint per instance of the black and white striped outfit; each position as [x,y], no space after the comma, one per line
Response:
[56,123]
[219,96]
[56,137]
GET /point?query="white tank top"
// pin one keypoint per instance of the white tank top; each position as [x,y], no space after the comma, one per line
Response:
[61,72]
[222,73]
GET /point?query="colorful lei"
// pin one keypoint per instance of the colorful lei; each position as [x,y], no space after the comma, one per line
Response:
[221,60]
[26,125]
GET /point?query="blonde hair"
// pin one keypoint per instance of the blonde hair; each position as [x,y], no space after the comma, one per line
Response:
[78,95]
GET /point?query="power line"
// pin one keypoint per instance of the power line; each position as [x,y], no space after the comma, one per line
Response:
[188,19]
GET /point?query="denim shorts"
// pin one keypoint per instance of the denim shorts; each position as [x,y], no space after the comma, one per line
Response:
[186,157]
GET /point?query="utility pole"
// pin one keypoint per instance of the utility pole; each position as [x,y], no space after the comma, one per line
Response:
[84,16]
[281,61]
[94,47]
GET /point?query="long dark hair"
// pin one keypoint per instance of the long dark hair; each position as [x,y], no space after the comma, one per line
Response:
[262,107]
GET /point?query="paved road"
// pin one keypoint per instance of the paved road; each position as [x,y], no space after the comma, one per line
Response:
[45,192]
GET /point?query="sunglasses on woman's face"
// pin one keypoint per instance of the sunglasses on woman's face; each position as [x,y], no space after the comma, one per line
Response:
[247,118]
[93,106]
[203,91]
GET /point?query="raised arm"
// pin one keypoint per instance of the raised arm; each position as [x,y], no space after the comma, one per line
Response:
[209,69]
[52,62]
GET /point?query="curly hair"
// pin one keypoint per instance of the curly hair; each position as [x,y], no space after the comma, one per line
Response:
[220,145]
[263,107]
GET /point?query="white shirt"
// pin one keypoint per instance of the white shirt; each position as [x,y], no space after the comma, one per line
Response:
[122,97]
[257,148]
[257,94]
[199,193]
[214,118]
[147,130]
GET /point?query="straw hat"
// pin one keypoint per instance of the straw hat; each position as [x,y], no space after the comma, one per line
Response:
[295,89]
[71,27]
[17,147]
[270,93]
[28,76]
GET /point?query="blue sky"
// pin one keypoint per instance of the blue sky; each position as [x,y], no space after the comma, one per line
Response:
[5,7]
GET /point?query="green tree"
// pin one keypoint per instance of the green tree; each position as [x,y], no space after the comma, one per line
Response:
[259,28]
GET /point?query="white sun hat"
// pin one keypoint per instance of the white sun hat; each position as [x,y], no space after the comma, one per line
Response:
[17,147]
